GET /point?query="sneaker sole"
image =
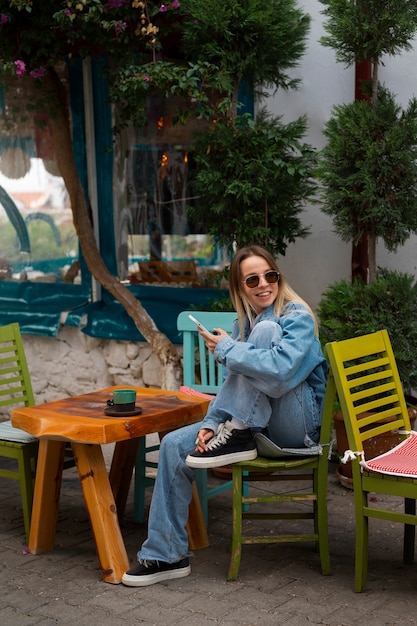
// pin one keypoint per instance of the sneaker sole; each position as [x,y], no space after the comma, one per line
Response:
[219,461]
[151,579]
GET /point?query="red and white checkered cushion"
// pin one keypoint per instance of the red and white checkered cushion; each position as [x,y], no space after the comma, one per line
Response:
[400,461]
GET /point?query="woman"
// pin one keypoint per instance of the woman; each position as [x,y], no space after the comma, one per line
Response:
[275,383]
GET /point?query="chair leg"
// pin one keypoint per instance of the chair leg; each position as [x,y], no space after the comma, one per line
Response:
[236,549]
[362,532]
[27,465]
[321,521]
[139,483]
[409,532]
[200,477]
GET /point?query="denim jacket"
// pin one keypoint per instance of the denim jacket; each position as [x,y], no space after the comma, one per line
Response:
[298,357]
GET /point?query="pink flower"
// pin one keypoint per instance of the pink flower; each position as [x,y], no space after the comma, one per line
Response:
[20,67]
[175,4]
[146,79]
[67,13]
[3,19]
[120,26]
[37,73]
[163,8]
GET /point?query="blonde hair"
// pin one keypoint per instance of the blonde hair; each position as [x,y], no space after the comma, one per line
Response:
[286,294]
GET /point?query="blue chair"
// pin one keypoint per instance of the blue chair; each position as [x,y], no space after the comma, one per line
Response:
[201,374]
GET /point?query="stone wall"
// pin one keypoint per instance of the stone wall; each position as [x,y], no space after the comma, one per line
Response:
[73,363]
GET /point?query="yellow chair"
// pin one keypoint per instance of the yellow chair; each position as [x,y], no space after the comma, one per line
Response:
[372,400]
[310,502]
[16,390]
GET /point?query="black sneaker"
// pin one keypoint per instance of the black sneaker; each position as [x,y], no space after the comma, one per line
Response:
[151,572]
[229,445]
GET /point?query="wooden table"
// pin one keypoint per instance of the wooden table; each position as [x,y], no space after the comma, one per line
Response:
[81,420]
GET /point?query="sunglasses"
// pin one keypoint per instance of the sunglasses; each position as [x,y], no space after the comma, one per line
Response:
[253,281]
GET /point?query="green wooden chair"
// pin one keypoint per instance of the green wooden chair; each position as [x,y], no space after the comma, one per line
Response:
[16,390]
[201,374]
[307,471]
[372,401]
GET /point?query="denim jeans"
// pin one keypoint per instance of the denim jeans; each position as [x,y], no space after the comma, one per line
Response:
[292,420]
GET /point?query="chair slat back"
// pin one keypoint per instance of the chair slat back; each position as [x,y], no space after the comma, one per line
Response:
[15,384]
[201,370]
[368,386]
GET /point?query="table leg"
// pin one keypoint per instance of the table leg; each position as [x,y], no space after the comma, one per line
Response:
[196,526]
[120,477]
[102,510]
[46,496]
[121,470]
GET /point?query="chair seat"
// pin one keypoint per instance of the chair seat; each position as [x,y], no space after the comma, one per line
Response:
[400,461]
[9,433]
[265,463]
[194,392]
[268,448]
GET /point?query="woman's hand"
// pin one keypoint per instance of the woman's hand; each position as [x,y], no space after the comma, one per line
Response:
[212,339]
[204,435]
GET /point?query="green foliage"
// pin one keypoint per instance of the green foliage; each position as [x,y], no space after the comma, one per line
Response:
[194,83]
[369,170]
[247,38]
[349,310]
[367,29]
[222,304]
[42,34]
[252,177]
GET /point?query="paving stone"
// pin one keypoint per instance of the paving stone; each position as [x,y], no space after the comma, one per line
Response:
[277,584]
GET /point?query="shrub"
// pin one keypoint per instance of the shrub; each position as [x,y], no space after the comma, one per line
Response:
[352,309]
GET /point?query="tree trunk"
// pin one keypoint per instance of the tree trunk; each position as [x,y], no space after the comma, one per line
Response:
[60,124]
[374,97]
[372,257]
[360,251]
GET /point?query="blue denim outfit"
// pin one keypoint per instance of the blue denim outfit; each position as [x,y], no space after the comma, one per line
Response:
[275,383]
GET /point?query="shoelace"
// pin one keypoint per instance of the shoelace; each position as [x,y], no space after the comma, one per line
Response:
[223,434]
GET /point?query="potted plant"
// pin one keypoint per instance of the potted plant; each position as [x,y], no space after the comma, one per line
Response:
[348,309]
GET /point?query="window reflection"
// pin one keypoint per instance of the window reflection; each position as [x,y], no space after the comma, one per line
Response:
[151,181]
[38,241]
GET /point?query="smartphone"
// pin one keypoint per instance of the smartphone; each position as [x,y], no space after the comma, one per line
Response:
[199,324]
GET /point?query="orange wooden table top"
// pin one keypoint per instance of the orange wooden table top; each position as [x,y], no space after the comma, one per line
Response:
[82,418]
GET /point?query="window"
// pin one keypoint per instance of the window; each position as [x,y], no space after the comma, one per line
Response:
[151,186]
[38,241]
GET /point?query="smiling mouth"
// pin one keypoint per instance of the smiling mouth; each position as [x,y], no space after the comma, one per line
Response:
[264,293]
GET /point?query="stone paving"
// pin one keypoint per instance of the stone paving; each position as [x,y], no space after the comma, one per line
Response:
[278,584]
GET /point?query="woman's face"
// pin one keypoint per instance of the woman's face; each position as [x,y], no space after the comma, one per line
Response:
[264,294]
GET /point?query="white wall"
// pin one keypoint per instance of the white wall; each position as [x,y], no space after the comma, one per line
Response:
[313,263]
[400,76]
